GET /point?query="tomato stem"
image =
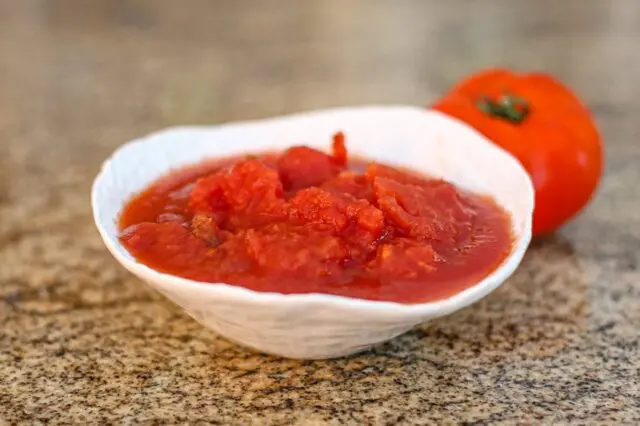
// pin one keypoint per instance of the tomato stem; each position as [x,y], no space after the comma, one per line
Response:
[507,107]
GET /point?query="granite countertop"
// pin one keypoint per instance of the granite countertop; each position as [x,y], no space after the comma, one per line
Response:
[84,342]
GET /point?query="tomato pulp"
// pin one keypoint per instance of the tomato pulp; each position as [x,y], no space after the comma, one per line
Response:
[307,222]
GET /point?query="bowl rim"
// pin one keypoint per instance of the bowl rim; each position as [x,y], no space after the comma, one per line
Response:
[381,308]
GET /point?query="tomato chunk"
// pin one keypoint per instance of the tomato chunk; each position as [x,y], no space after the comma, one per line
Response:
[300,252]
[248,193]
[404,258]
[351,183]
[301,167]
[431,215]
[339,149]
[316,206]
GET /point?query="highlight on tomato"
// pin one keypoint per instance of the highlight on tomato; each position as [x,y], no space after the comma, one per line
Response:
[545,126]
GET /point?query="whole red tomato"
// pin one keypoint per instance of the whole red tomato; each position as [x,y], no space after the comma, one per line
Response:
[545,126]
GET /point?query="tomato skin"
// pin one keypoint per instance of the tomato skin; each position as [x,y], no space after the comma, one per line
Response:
[556,141]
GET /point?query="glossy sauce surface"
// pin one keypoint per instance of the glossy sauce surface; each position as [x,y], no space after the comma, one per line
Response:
[303,221]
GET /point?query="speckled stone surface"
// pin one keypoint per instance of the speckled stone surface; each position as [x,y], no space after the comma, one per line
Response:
[84,342]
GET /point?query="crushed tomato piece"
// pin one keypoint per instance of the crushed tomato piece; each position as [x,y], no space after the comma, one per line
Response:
[339,150]
[301,167]
[307,222]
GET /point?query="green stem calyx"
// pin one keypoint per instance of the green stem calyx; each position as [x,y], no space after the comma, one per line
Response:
[507,107]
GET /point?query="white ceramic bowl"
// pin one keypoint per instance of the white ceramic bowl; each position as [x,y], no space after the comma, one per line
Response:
[314,326]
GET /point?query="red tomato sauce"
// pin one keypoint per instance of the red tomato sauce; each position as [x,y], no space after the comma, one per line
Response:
[304,221]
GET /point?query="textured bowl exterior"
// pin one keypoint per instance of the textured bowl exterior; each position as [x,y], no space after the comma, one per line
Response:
[317,326]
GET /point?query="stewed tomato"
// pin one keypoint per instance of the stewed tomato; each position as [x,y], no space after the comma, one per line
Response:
[303,221]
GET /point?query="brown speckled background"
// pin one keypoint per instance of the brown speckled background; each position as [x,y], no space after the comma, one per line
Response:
[84,342]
